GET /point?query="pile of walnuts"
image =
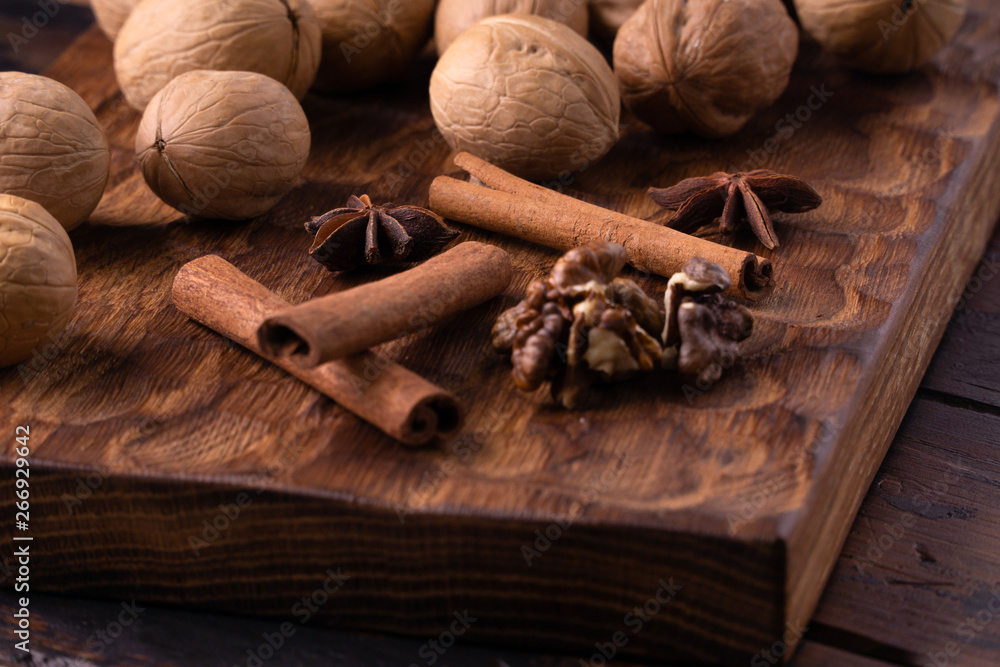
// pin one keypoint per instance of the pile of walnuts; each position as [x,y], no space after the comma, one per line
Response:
[529,95]
[708,66]
[56,162]
[583,324]
[223,134]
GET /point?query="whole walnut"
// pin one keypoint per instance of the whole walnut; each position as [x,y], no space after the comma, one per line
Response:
[368,42]
[38,285]
[706,66]
[164,38]
[223,144]
[52,149]
[527,94]
[607,16]
[456,16]
[882,36]
[111,14]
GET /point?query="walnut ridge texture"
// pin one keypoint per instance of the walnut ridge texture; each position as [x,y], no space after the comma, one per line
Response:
[112,14]
[454,17]
[223,144]
[368,42]
[705,66]
[527,94]
[882,36]
[165,38]
[38,282]
[54,151]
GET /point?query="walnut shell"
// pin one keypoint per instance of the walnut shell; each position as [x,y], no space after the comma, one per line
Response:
[882,36]
[165,38]
[38,285]
[111,14]
[54,152]
[607,16]
[223,144]
[527,94]
[368,42]
[705,66]
[456,16]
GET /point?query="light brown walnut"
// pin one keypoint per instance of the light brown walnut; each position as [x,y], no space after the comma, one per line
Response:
[706,66]
[111,14]
[52,149]
[454,17]
[368,42]
[223,144]
[527,94]
[38,282]
[165,38]
[882,36]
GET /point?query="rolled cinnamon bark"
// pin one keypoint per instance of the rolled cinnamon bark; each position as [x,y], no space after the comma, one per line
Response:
[513,206]
[399,402]
[343,323]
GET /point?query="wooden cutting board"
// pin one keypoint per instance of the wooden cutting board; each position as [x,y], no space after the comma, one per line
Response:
[171,466]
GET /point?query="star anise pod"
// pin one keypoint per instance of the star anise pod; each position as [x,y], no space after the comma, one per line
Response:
[361,233]
[735,197]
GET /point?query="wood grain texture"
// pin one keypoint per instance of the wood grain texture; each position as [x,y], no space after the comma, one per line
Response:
[174,422]
[967,365]
[920,565]
[922,550]
[900,579]
[919,327]
[812,654]
[66,634]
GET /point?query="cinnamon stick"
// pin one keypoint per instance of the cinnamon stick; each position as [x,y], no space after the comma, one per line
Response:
[513,206]
[402,404]
[343,323]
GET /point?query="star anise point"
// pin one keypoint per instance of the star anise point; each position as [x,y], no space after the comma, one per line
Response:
[361,233]
[733,198]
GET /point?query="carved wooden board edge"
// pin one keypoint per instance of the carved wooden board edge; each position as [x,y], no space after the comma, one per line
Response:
[247,550]
[958,239]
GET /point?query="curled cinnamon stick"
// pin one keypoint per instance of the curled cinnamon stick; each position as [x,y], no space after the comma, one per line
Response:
[513,206]
[404,405]
[343,323]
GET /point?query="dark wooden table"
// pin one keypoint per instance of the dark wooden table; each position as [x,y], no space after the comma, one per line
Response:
[917,583]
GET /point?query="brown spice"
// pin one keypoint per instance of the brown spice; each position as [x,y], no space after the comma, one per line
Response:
[344,323]
[513,206]
[361,233]
[735,197]
[402,404]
